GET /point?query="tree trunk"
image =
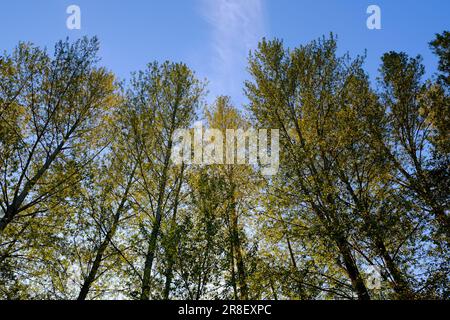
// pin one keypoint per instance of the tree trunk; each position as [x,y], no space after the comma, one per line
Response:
[104,245]
[168,282]
[6,219]
[241,274]
[352,270]
[233,271]
[173,243]
[93,272]
[401,286]
[145,294]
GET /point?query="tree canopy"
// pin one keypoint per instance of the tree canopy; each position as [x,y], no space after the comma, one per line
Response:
[92,207]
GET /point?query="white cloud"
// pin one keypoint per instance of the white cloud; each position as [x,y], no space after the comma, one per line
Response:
[236,28]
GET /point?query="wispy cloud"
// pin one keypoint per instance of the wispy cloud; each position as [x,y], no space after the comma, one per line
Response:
[236,28]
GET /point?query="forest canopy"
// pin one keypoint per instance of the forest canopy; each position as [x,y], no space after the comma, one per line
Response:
[92,207]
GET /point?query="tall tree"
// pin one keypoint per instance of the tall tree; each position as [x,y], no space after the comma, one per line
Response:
[299,92]
[407,143]
[164,99]
[107,199]
[50,108]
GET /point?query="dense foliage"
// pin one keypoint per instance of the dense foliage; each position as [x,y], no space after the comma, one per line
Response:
[91,206]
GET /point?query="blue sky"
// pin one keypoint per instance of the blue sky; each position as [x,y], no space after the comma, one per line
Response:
[214,36]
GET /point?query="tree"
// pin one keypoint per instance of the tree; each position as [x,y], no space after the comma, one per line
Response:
[163,98]
[107,198]
[408,141]
[299,92]
[50,108]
